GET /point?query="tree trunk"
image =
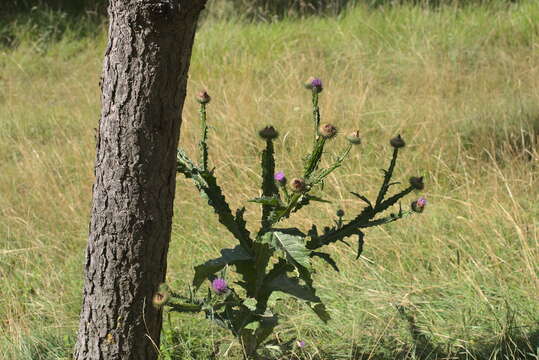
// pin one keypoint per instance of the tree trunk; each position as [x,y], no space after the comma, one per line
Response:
[143,90]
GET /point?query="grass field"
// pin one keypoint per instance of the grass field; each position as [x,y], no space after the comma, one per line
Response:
[460,281]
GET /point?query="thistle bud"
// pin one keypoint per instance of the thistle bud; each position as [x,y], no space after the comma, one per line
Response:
[268,133]
[417,182]
[314,84]
[161,297]
[354,138]
[203,97]
[219,286]
[297,185]
[280,178]
[397,142]
[327,131]
[419,204]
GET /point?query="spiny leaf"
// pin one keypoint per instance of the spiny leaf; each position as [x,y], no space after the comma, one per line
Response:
[364,198]
[228,257]
[292,286]
[320,310]
[291,241]
[270,201]
[327,258]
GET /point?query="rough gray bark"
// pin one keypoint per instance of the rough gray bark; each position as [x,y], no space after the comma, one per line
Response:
[143,90]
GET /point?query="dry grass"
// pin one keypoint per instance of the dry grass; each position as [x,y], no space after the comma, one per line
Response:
[461,86]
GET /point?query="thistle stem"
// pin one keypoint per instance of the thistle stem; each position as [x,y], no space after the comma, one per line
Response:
[203,142]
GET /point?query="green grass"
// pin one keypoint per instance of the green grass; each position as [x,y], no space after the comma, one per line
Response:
[460,84]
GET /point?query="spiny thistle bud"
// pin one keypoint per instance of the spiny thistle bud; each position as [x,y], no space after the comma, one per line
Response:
[268,133]
[161,297]
[419,204]
[314,84]
[340,213]
[297,185]
[327,131]
[203,97]
[280,178]
[219,286]
[397,142]
[354,138]
[417,182]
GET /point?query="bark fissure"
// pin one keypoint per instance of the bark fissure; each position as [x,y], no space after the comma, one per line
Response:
[143,88]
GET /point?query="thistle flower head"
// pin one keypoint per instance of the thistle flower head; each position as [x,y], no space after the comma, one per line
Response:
[354,138]
[327,131]
[419,204]
[417,182]
[280,177]
[268,133]
[314,84]
[397,142]
[203,97]
[297,185]
[161,297]
[219,286]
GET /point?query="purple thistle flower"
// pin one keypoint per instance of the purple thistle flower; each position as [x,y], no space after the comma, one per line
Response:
[300,343]
[219,286]
[419,204]
[314,83]
[280,177]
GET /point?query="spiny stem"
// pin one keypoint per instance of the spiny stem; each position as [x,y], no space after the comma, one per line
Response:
[387,178]
[203,142]
[316,113]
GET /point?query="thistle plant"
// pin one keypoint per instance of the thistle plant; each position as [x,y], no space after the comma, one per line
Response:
[277,259]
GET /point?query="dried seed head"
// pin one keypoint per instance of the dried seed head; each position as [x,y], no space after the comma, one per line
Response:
[203,97]
[161,297]
[327,131]
[354,138]
[297,185]
[314,84]
[340,213]
[419,204]
[268,133]
[417,182]
[397,142]
[219,286]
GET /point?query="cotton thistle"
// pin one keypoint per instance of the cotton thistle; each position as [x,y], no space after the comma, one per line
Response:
[417,182]
[315,84]
[354,138]
[161,297]
[419,205]
[397,142]
[297,185]
[280,178]
[219,286]
[268,133]
[327,131]
[203,97]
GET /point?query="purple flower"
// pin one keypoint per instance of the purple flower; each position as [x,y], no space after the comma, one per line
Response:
[300,343]
[280,178]
[419,204]
[314,83]
[219,286]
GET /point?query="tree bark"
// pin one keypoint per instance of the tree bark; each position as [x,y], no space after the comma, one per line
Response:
[143,90]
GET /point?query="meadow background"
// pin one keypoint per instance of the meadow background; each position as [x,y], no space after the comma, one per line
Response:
[460,83]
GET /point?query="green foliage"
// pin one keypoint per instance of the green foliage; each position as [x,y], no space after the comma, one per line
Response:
[247,314]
